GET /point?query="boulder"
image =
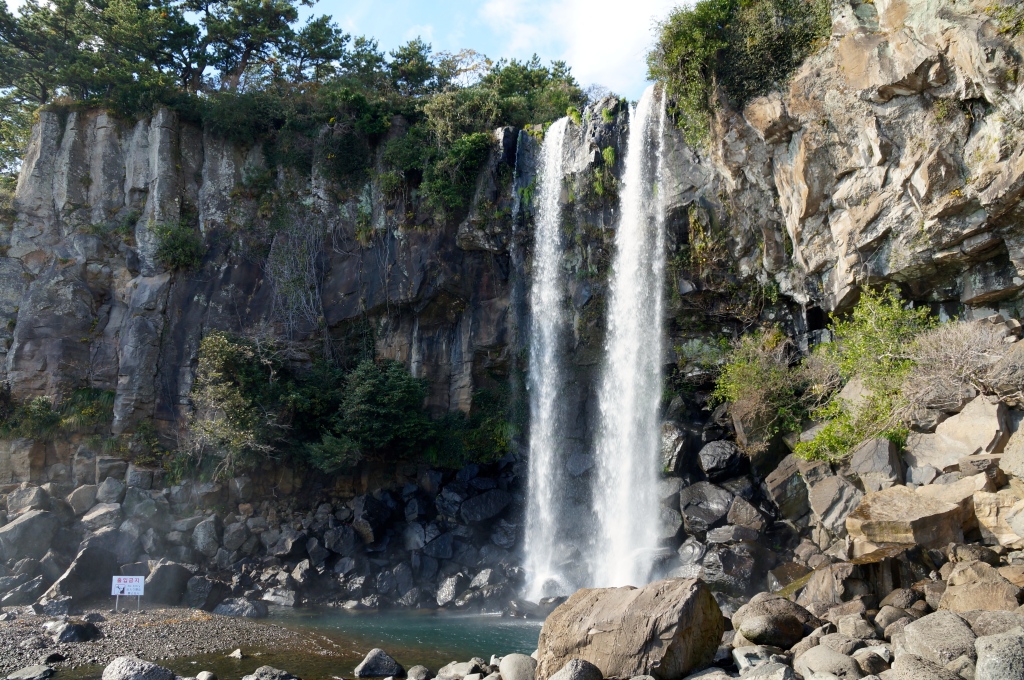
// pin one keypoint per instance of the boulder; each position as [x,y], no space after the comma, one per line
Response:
[423,673]
[487,505]
[378,664]
[832,500]
[578,669]
[940,637]
[742,513]
[131,668]
[82,499]
[341,540]
[88,575]
[786,488]
[517,667]
[667,629]
[824,659]
[26,593]
[913,667]
[282,597]
[992,512]
[239,606]
[75,631]
[773,620]
[370,516]
[1000,656]
[269,673]
[722,460]
[979,428]
[995,622]
[37,672]
[102,515]
[166,582]
[898,515]
[877,464]
[450,588]
[110,490]
[975,586]
[959,493]
[704,506]
[206,536]
[28,535]
[203,592]
[1012,462]
[235,535]
[27,497]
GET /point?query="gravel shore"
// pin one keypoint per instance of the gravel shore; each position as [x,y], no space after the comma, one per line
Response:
[154,634]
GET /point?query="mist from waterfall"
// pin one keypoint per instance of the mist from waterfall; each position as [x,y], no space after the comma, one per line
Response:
[628,441]
[546,376]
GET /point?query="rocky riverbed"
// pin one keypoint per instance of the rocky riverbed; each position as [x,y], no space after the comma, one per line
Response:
[99,635]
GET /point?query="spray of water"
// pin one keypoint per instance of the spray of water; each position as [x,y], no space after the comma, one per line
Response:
[628,441]
[546,373]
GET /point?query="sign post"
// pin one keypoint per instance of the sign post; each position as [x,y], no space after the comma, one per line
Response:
[128,586]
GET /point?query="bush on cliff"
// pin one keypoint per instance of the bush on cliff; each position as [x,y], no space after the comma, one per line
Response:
[745,47]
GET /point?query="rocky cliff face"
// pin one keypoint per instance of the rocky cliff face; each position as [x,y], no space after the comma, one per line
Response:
[895,154]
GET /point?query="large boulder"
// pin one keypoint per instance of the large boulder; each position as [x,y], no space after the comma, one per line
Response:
[992,512]
[721,460]
[898,515]
[206,536]
[379,664]
[973,586]
[876,462]
[27,497]
[517,667]
[979,428]
[166,582]
[578,669]
[1000,656]
[704,506]
[102,515]
[961,494]
[913,667]
[786,488]
[940,637]
[110,490]
[832,500]
[203,592]
[370,516]
[773,620]
[486,506]
[824,660]
[82,499]
[667,629]
[28,535]
[130,668]
[239,606]
[88,576]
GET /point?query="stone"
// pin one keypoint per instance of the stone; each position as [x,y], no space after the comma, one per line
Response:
[341,540]
[578,669]
[898,515]
[377,664]
[832,500]
[73,631]
[979,428]
[841,642]
[486,506]
[110,490]
[269,673]
[27,497]
[993,512]
[995,622]
[206,536]
[369,517]
[773,620]
[1000,656]
[855,626]
[975,586]
[240,606]
[423,673]
[870,663]
[205,675]
[721,460]
[787,490]
[102,515]
[235,535]
[140,478]
[37,672]
[742,513]
[771,670]
[877,464]
[611,628]
[704,506]
[26,593]
[939,637]
[450,588]
[240,489]
[913,667]
[82,499]
[282,597]
[88,575]
[203,592]
[962,666]
[921,476]
[517,667]
[131,668]
[824,659]
[961,494]
[28,535]
[166,582]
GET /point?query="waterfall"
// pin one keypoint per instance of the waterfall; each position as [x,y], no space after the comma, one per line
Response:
[546,377]
[629,436]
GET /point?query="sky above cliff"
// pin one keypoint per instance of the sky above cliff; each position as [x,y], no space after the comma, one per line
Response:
[605,43]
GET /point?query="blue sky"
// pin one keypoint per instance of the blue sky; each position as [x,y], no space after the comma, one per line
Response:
[603,41]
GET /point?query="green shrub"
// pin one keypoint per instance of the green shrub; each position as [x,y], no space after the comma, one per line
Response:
[574,115]
[608,155]
[179,246]
[449,182]
[484,436]
[747,47]
[82,411]
[607,116]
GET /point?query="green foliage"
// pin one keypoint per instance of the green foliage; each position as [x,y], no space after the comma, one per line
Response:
[448,183]
[1010,18]
[38,418]
[574,115]
[607,116]
[180,247]
[15,129]
[484,436]
[746,47]
[381,413]
[608,155]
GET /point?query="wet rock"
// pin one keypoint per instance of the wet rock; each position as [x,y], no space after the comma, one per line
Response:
[721,460]
[378,664]
[283,597]
[240,606]
[38,672]
[787,490]
[370,516]
[683,611]
[742,513]
[450,588]
[704,506]
[131,668]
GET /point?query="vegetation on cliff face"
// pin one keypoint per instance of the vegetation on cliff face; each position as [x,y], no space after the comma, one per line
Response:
[746,48]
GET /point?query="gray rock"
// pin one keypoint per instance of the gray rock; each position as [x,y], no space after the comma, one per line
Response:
[963,667]
[39,672]
[913,667]
[269,673]
[486,506]
[102,515]
[923,475]
[824,659]
[378,664]
[203,592]
[787,489]
[82,499]
[166,582]
[341,540]
[460,670]
[995,622]
[28,497]
[1000,657]
[450,588]
[235,535]
[423,673]
[131,668]
[517,667]
[240,606]
[110,490]
[75,632]
[877,464]
[773,620]
[87,576]
[578,669]
[721,460]
[283,597]
[704,506]
[770,671]
[939,637]
[206,536]
[205,675]
[832,500]
[28,535]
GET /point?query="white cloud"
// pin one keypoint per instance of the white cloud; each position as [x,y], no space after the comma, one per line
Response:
[604,42]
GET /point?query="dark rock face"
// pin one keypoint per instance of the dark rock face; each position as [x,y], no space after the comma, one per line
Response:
[704,506]
[203,592]
[721,460]
[88,576]
[166,583]
[485,506]
[75,632]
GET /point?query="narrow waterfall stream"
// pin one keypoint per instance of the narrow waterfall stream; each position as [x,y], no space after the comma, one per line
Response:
[628,440]
[546,377]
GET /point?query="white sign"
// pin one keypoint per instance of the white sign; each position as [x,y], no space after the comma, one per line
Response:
[128,585]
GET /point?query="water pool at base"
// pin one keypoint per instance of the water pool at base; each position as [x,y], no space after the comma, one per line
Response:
[432,639]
